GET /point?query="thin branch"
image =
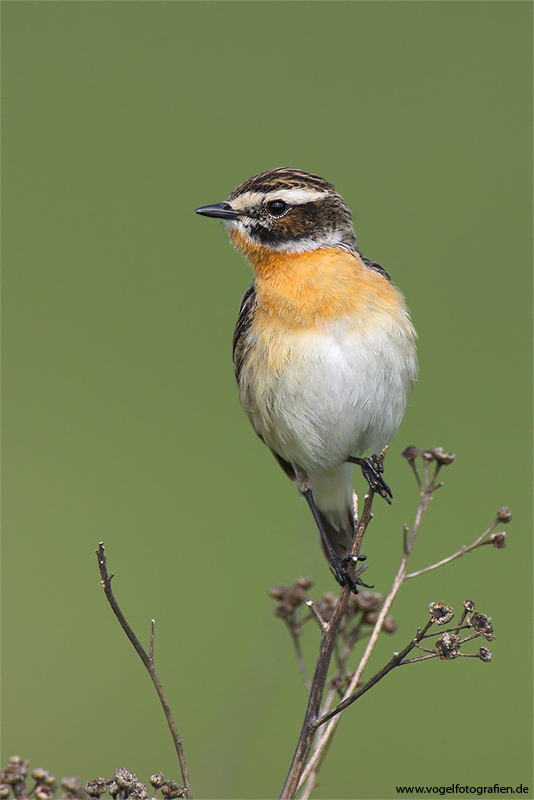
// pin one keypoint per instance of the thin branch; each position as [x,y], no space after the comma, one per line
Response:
[298,655]
[466,548]
[318,617]
[328,640]
[148,661]
[151,650]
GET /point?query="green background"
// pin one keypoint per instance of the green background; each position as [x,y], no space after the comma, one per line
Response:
[121,418]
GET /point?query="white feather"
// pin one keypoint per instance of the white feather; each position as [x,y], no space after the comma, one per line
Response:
[338,392]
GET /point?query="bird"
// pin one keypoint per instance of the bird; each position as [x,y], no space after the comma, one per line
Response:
[324,348]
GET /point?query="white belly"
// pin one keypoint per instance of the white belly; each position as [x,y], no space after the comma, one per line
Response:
[333,394]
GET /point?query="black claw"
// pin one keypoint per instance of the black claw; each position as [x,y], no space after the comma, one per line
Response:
[372,469]
[340,569]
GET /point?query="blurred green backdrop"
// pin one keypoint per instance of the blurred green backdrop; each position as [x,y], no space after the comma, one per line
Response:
[121,418]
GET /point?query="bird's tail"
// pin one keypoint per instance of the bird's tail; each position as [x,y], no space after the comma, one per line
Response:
[333,498]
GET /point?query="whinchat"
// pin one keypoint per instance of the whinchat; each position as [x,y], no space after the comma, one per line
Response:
[324,350]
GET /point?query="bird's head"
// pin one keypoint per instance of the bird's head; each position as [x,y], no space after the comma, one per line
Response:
[285,210]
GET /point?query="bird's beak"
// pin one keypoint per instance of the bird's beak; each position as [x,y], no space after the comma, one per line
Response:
[220,210]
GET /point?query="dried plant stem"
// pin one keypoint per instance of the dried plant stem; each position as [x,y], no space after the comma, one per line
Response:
[328,640]
[310,772]
[467,548]
[148,661]
[299,657]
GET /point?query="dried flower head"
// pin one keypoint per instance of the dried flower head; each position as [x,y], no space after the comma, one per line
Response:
[336,683]
[369,618]
[44,792]
[484,654]
[171,789]
[138,791]
[123,778]
[283,609]
[441,456]
[113,787]
[96,788]
[440,613]
[73,790]
[278,592]
[481,624]
[157,780]
[389,625]
[4,790]
[295,595]
[369,601]
[304,583]
[504,514]
[410,453]
[498,540]
[448,646]
[469,605]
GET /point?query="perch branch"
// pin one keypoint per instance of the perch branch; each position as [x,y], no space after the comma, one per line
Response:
[328,641]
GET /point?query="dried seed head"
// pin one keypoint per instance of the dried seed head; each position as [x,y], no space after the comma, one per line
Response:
[17,761]
[498,540]
[15,772]
[428,455]
[410,453]
[171,789]
[96,788]
[157,780]
[295,596]
[278,592]
[369,618]
[389,625]
[138,791]
[39,774]
[113,788]
[484,654]
[44,792]
[304,583]
[369,601]
[440,613]
[441,456]
[4,791]
[124,778]
[469,605]
[504,514]
[336,683]
[448,646]
[481,624]
[283,609]
[72,788]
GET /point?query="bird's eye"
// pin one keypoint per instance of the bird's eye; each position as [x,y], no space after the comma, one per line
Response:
[277,207]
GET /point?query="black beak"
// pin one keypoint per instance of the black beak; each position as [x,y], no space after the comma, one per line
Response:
[220,210]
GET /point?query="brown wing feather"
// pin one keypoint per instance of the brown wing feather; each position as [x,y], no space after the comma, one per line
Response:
[244,321]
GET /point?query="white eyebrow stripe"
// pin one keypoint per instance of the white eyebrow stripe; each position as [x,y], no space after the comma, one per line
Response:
[294,196]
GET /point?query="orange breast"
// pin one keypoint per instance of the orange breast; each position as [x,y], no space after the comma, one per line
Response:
[317,287]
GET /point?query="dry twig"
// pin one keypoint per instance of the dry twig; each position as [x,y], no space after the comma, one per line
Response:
[148,661]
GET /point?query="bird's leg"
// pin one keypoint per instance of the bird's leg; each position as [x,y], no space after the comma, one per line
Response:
[372,468]
[340,566]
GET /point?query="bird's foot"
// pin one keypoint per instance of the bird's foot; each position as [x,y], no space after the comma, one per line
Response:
[372,469]
[340,569]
